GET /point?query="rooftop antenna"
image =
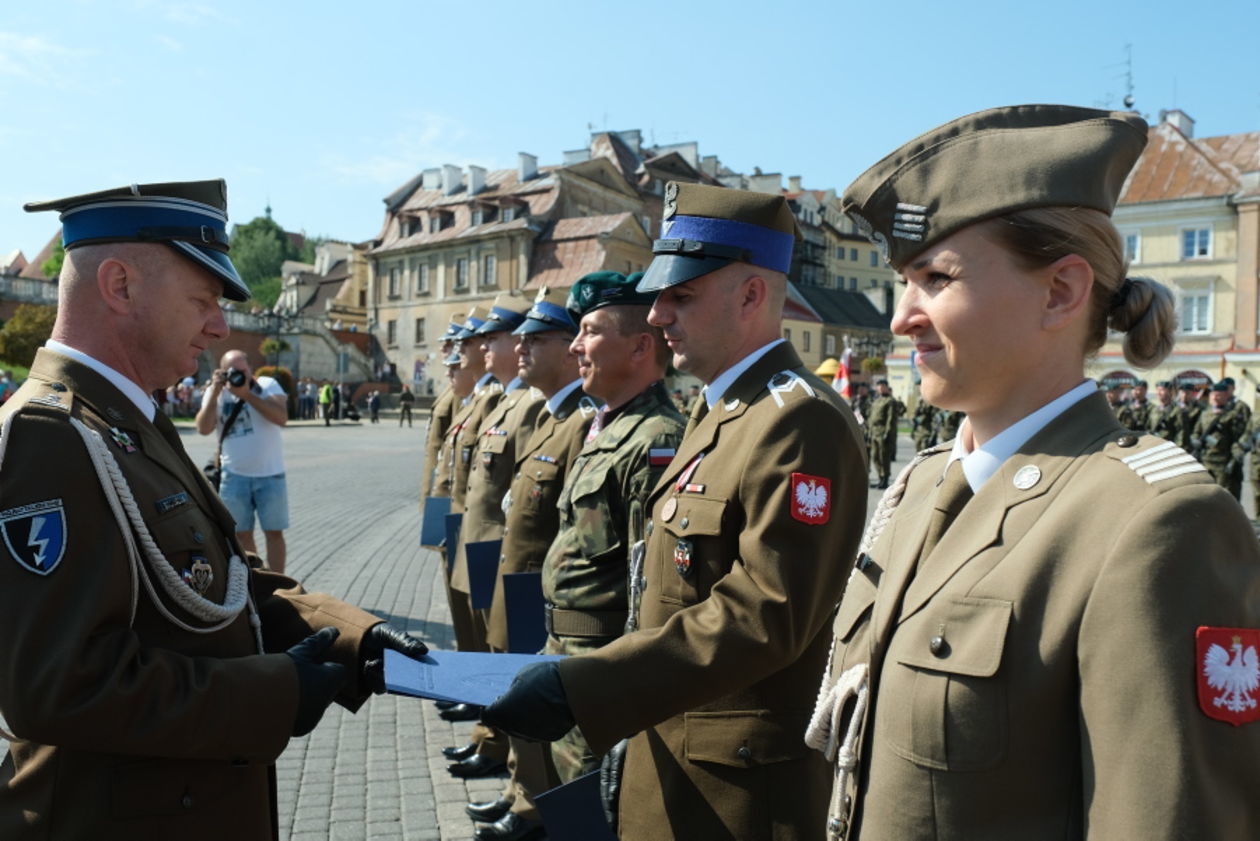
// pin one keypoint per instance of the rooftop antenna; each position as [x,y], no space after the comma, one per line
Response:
[1128,77]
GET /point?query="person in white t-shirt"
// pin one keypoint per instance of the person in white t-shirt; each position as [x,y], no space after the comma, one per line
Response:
[253,453]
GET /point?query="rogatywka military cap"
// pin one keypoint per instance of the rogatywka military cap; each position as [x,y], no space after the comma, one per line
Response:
[453,328]
[506,313]
[476,318]
[606,289]
[189,216]
[548,313]
[1164,384]
[991,163]
[704,228]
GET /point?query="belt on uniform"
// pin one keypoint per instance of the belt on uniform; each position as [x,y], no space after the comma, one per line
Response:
[563,622]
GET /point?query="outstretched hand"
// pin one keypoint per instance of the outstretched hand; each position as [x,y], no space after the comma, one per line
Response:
[534,707]
[372,652]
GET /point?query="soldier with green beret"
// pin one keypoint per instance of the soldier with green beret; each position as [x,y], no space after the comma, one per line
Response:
[1136,413]
[1164,418]
[1219,438]
[739,573]
[1189,407]
[881,429]
[1111,390]
[1043,637]
[153,671]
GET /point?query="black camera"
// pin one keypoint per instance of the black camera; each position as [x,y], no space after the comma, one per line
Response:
[235,378]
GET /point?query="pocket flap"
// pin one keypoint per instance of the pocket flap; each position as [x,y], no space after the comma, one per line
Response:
[961,635]
[696,515]
[859,595]
[494,443]
[541,471]
[745,738]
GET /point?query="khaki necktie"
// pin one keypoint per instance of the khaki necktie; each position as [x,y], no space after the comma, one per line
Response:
[698,410]
[951,496]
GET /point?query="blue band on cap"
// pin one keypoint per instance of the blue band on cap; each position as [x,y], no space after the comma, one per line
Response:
[128,219]
[473,323]
[549,312]
[768,249]
[508,318]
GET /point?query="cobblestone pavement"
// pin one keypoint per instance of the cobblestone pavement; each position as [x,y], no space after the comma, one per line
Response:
[379,774]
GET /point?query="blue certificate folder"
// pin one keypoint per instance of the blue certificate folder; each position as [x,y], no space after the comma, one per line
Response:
[465,677]
[483,566]
[433,525]
[523,603]
[573,811]
[453,522]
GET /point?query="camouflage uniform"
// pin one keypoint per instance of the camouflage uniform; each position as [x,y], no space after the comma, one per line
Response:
[1164,421]
[1188,417]
[947,425]
[586,573]
[923,425]
[1134,415]
[1251,443]
[1218,442]
[882,429]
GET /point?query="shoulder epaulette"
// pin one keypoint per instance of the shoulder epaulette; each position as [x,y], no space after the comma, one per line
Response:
[1164,460]
[49,396]
[587,407]
[785,382]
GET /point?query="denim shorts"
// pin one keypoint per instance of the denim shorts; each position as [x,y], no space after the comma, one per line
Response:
[266,495]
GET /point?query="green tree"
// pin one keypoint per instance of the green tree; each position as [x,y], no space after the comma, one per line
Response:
[52,266]
[22,335]
[265,293]
[258,250]
[272,347]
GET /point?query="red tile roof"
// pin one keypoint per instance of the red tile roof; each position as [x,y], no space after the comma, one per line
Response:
[33,268]
[574,247]
[1174,166]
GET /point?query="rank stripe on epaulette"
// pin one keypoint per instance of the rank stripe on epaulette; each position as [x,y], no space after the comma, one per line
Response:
[1163,461]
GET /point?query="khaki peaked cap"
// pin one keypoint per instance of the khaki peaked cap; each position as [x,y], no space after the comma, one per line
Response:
[992,163]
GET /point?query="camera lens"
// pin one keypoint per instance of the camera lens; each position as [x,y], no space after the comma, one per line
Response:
[236,378]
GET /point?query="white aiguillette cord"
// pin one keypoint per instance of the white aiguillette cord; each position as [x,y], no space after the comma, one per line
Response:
[823,732]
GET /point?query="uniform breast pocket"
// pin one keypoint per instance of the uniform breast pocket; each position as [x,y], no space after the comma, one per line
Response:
[942,700]
[854,613]
[593,516]
[194,548]
[492,447]
[543,486]
[690,553]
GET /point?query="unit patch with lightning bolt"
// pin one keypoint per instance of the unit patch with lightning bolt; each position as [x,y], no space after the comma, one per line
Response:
[35,535]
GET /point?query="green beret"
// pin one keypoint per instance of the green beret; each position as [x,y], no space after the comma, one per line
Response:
[705,228]
[992,163]
[605,289]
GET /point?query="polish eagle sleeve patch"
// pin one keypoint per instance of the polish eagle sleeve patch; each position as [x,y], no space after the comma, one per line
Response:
[1228,673]
[811,499]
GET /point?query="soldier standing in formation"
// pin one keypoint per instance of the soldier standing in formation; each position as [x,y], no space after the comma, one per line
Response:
[767,485]
[154,711]
[1136,413]
[532,522]
[1051,624]
[881,430]
[1164,418]
[1219,438]
[440,416]
[947,423]
[923,424]
[1188,410]
[1111,390]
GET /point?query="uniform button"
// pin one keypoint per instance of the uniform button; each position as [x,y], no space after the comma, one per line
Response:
[838,827]
[1126,440]
[744,753]
[937,645]
[57,386]
[186,801]
[198,537]
[685,522]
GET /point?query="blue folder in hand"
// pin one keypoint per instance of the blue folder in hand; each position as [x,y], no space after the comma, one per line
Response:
[483,566]
[574,812]
[433,524]
[453,522]
[465,677]
[523,603]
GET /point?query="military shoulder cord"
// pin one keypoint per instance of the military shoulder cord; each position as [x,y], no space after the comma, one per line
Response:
[120,499]
[823,733]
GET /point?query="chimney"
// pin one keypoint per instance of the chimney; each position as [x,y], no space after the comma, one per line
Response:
[709,165]
[1179,120]
[794,183]
[431,179]
[452,178]
[476,179]
[632,138]
[528,166]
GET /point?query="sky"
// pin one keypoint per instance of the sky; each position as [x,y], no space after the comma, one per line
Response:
[321,109]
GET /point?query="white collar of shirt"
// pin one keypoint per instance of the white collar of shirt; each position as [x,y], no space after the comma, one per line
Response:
[554,401]
[980,464]
[713,391]
[133,392]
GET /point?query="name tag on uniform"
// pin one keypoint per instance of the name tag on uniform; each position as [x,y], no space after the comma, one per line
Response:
[169,503]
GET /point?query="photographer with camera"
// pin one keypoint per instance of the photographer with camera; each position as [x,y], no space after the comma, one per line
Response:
[248,413]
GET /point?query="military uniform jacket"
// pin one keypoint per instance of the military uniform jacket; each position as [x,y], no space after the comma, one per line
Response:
[745,564]
[128,726]
[440,418]
[1036,679]
[602,515]
[505,428]
[1135,415]
[882,420]
[1188,415]
[1164,421]
[532,517]
[1219,436]
[462,439]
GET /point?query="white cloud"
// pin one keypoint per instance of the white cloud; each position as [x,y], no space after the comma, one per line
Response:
[35,58]
[417,141]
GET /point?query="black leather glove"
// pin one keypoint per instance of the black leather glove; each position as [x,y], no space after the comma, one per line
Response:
[318,681]
[534,707]
[610,768]
[372,652]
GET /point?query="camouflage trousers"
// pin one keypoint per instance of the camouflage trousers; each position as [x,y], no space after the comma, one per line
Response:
[882,455]
[570,754]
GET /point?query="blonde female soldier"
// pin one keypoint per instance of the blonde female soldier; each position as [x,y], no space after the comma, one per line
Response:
[1050,632]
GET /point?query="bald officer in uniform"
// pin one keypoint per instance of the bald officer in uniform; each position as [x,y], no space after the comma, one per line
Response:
[742,576]
[150,676]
